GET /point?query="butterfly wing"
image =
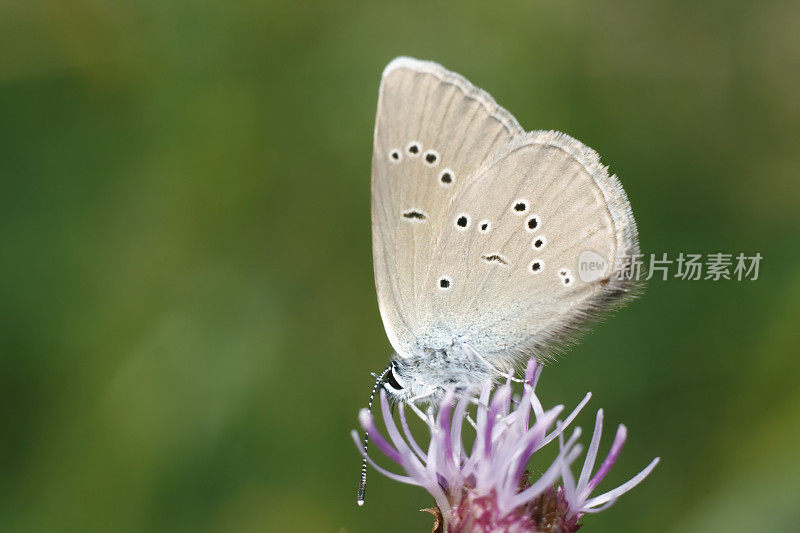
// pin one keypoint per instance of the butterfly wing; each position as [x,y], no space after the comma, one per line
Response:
[433,131]
[557,252]
[479,227]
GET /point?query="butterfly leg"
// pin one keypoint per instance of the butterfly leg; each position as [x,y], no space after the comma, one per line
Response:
[425,417]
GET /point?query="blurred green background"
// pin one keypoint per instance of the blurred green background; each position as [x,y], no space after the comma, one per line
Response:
[188,309]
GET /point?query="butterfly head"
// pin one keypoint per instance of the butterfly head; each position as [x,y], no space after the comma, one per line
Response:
[400,383]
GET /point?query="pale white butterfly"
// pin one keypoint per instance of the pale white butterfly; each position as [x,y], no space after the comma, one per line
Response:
[477,231]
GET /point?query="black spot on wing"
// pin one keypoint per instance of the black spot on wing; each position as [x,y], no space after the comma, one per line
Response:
[414,214]
[495,258]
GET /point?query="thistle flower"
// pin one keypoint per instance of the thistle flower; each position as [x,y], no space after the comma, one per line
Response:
[489,489]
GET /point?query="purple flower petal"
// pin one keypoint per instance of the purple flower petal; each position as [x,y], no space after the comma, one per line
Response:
[625,487]
[611,458]
[409,437]
[368,424]
[591,453]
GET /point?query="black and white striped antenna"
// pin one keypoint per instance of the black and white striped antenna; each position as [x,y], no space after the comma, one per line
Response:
[362,484]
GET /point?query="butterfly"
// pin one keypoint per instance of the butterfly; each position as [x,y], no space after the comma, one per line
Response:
[490,244]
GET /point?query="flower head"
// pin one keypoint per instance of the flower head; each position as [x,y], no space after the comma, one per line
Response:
[489,488]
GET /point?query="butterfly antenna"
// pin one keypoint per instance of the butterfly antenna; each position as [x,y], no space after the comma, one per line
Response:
[362,484]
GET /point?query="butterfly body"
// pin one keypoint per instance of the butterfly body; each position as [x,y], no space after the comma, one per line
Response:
[427,375]
[478,230]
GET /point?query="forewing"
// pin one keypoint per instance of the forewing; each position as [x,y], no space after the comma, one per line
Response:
[433,131]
